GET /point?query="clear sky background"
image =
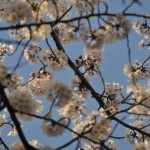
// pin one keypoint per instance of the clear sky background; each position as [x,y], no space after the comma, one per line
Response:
[115,57]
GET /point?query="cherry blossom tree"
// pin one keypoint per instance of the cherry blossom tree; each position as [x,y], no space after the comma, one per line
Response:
[40,34]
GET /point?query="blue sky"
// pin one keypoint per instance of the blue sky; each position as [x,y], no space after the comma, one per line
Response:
[115,57]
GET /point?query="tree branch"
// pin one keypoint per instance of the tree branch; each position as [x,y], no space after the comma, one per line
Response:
[15,120]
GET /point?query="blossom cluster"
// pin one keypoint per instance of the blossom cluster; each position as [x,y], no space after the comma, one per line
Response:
[52,129]
[19,146]
[37,85]
[136,71]
[134,137]
[91,128]
[57,60]
[140,101]
[21,100]
[142,29]
[10,81]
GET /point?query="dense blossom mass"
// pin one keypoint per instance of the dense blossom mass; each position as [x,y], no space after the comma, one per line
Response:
[43,77]
[21,100]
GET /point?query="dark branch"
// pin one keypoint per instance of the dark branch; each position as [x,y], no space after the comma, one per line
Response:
[15,120]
